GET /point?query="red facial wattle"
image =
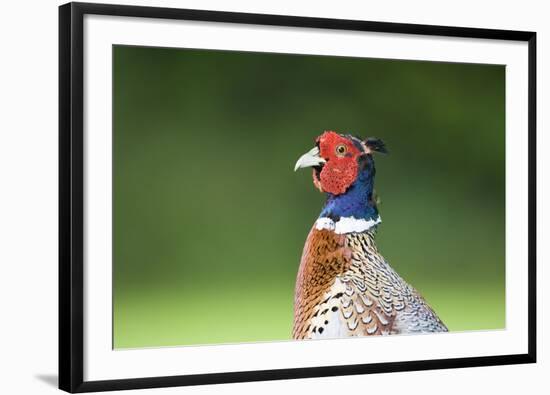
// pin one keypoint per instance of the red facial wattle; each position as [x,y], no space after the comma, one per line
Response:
[341,167]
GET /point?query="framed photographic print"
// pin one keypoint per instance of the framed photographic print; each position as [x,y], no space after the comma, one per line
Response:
[258,197]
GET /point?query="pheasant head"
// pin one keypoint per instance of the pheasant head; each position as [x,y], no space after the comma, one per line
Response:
[343,168]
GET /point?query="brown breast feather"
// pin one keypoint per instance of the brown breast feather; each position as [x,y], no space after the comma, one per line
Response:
[362,304]
[324,257]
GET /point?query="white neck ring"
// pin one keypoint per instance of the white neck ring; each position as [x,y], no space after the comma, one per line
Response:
[347,224]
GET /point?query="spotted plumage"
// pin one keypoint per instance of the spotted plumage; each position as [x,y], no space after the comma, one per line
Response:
[344,286]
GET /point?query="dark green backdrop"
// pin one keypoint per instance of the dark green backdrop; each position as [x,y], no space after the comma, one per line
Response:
[210,219]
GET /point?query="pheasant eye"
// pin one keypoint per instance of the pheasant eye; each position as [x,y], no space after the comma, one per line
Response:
[341,150]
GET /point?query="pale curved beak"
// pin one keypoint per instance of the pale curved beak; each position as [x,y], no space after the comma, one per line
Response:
[309,159]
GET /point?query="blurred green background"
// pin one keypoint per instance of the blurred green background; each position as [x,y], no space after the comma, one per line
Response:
[210,219]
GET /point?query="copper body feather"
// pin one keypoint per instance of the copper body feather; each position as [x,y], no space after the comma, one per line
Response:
[346,288]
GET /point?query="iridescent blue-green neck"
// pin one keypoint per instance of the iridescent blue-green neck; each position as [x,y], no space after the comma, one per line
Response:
[358,200]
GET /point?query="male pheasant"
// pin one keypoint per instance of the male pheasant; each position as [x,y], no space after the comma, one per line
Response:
[344,286]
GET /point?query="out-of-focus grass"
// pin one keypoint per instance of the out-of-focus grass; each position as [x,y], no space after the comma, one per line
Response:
[205,315]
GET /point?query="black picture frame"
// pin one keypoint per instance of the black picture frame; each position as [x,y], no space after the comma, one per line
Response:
[71,196]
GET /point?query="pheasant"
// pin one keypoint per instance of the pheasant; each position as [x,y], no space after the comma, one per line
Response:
[344,287]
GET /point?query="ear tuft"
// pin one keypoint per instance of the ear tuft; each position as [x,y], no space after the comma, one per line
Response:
[376,145]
